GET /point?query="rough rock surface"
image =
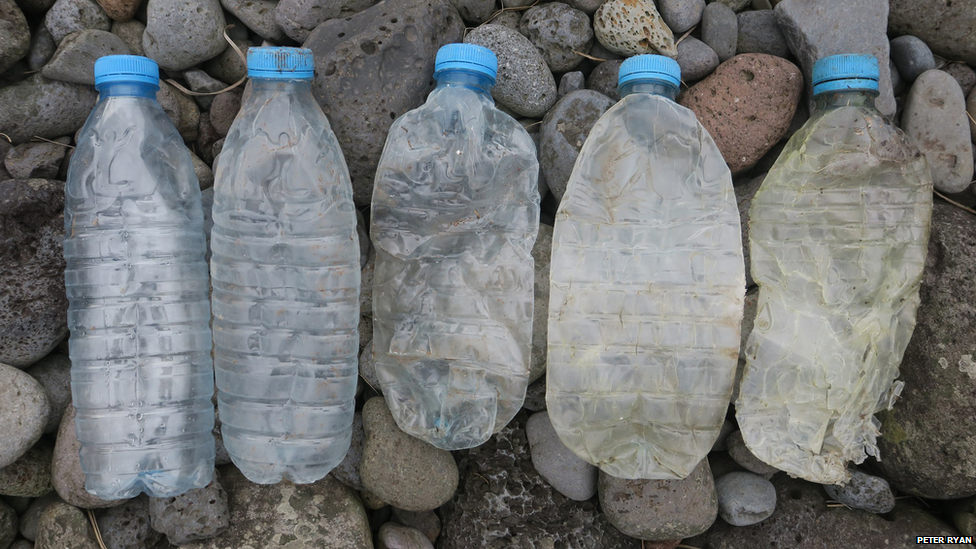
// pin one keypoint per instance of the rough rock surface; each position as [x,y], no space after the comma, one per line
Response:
[564,130]
[45,108]
[946,26]
[182,33]
[541,254]
[66,473]
[70,16]
[198,514]
[74,60]
[15,36]
[29,476]
[297,18]
[633,27]
[62,526]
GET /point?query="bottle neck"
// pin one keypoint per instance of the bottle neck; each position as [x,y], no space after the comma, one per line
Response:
[844,98]
[279,84]
[127,89]
[465,79]
[653,87]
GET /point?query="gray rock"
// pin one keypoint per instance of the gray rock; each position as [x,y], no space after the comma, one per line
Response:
[401,470]
[745,498]
[963,74]
[366,303]
[41,49]
[258,15]
[564,470]
[558,31]
[22,544]
[23,411]
[36,160]
[374,66]
[181,109]
[29,476]
[183,33]
[121,10]
[720,29]
[734,5]
[728,427]
[45,108]
[524,83]
[199,514]
[570,82]
[200,81]
[347,472]
[744,194]
[30,518]
[504,502]
[864,491]
[394,536]
[367,368]
[759,33]
[964,516]
[8,524]
[206,137]
[475,11]
[130,32]
[660,509]
[62,526]
[507,18]
[749,306]
[696,59]
[633,27]
[743,456]
[224,110]
[228,66]
[535,395]
[944,25]
[74,61]
[911,56]
[829,27]
[127,526]
[70,16]
[564,130]
[971,112]
[289,516]
[603,79]
[541,253]
[66,473]
[203,172]
[363,233]
[427,522]
[15,37]
[935,120]
[681,15]
[585,6]
[297,18]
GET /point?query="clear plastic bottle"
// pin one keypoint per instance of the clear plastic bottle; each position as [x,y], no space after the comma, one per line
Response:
[285,270]
[141,374]
[647,286]
[838,239]
[455,215]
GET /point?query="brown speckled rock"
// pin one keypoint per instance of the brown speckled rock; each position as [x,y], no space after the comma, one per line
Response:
[120,10]
[746,105]
[633,27]
[66,473]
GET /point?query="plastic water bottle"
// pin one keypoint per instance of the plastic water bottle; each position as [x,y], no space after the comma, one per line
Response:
[285,270]
[141,374]
[454,218]
[838,238]
[647,286]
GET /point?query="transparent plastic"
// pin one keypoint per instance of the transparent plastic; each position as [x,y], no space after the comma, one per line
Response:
[285,270]
[646,291]
[454,218]
[136,279]
[838,239]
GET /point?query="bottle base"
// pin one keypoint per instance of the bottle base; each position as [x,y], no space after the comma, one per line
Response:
[158,484]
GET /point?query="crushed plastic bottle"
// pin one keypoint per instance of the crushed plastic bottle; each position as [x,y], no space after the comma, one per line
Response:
[285,272]
[647,286]
[838,238]
[136,279]
[454,218]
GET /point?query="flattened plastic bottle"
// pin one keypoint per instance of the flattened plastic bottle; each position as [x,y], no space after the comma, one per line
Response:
[838,238]
[136,278]
[647,286]
[455,215]
[285,271]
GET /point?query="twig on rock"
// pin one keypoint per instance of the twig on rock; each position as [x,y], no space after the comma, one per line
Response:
[590,57]
[954,203]
[98,533]
[240,54]
[685,35]
[39,138]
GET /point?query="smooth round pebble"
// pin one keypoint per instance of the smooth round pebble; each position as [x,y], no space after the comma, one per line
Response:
[558,31]
[745,498]
[24,409]
[563,132]
[563,469]
[570,82]
[734,5]
[911,56]
[524,83]
[30,518]
[200,513]
[759,33]
[696,59]
[395,536]
[426,521]
[53,372]
[70,16]
[935,119]
[633,27]
[603,79]
[864,491]
[42,47]
[740,453]
[681,15]
[720,29]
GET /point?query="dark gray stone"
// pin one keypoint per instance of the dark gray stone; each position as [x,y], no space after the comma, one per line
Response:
[745,498]
[297,18]
[199,81]
[62,525]
[8,524]
[558,31]
[224,109]
[570,82]
[29,476]
[258,15]
[70,16]
[911,56]
[563,469]
[541,253]
[740,453]
[759,33]
[181,109]
[203,172]
[945,26]
[935,120]
[182,33]
[40,160]
[744,194]
[199,514]
[475,11]
[374,66]
[347,472]
[720,29]
[696,59]
[394,536]
[535,395]
[864,491]
[41,49]
[963,74]
[524,83]
[130,32]
[681,15]
[603,79]
[127,526]
[15,37]
[29,519]
[45,108]
[564,130]
[734,5]
[426,521]
[228,66]
[74,60]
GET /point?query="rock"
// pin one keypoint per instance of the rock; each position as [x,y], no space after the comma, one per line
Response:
[41,49]
[224,110]
[603,79]
[15,37]
[347,472]
[258,15]
[203,172]
[971,111]
[745,498]
[70,16]
[504,502]
[374,66]
[563,132]
[728,427]
[120,10]
[367,368]
[740,453]
[74,61]
[476,11]
[633,27]
[964,516]
[29,519]
[29,476]
[759,33]
[660,509]
[22,544]
[750,304]
[401,470]
[426,522]
[366,303]
[36,160]
[524,83]
[206,137]
[23,410]
[541,253]
[936,121]
[911,56]
[199,81]
[507,18]
[963,74]
[183,33]
[394,536]
[746,105]
[734,5]
[944,26]
[289,516]
[297,18]
[62,526]
[45,108]
[744,194]
[864,491]
[535,395]
[130,32]
[570,82]
[182,110]
[681,15]
[558,31]
[127,526]
[819,29]
[199,514]
[696,59]
[564,470]
[720,30]
[228,66]
[66,473]
[8,524]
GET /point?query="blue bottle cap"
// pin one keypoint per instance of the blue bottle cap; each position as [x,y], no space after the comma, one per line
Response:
[126,68]
[467,57]
[849,71]
[280,63]
[657,68]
